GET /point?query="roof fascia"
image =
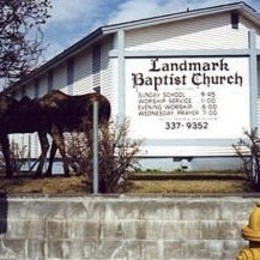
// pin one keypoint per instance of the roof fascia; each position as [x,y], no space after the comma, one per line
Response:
[139,24]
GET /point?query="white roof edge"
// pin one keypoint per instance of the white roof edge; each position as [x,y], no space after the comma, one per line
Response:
[242,7]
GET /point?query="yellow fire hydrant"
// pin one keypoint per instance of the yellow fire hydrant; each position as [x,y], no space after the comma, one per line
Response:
[251,232]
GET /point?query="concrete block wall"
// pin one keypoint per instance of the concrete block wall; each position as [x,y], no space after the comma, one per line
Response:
[122,227]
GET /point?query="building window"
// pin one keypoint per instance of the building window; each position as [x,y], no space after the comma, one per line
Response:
[50,80]
[36,88]
[70,75]
[234,20]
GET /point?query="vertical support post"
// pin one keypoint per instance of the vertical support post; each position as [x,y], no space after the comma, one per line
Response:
[253,78]
[95,148]
[121,73]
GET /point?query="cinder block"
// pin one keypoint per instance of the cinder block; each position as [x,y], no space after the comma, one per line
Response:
[122,227]
[236,209]
[121,209]
[37,249]
[200,209]
[12,249]
[181,230]
[86,229]
[74,229]
[172,249]
[65,249]
[58,229]
[25,228]
[220,230]
[121,249]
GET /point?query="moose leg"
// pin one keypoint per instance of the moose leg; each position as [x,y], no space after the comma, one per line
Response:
[44,148]
[51,160]
[59,142]
[6,152]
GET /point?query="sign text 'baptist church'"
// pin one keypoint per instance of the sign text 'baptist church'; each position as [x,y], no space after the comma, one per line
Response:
[201,74]
[182,98]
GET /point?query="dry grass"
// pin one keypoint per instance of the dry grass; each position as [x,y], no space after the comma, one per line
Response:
[157,183]
[55,185]
[190,182]
[186,187]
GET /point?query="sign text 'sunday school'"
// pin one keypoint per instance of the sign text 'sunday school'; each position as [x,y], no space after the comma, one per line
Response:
[185,97]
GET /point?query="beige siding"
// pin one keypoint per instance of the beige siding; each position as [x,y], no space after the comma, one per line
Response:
[60,78]
[106,70]
[35,146]
[83,73]
[258,40]
[248,25]
[43,86]
[30,91]
[210,32]
[24,142]
[19,144]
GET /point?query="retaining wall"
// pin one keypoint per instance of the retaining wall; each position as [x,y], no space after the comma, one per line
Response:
[161,228]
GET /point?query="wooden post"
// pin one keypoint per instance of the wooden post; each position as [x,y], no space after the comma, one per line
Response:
[95,148]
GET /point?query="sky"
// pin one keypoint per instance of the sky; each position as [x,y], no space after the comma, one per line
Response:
[74,19]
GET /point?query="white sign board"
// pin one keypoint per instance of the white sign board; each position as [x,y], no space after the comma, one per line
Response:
[188,98]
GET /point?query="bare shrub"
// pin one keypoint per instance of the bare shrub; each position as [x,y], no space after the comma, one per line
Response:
[78,151]
[248,150]
[117,155]
[2,164]
[18,157]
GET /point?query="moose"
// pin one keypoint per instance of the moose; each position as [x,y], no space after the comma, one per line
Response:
[71,113]
[21,117]
[53,114]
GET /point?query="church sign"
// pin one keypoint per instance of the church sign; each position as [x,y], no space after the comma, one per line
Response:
[182,98]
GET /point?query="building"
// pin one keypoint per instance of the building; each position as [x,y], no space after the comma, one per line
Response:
[188,81]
